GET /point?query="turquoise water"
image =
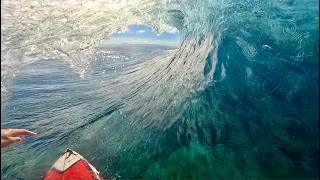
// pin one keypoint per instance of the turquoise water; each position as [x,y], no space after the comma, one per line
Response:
[204,139]
[239,99]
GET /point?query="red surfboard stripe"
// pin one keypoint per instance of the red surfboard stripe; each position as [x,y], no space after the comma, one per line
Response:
[78,171]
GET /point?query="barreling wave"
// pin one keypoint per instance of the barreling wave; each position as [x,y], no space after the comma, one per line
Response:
[241,89]
[70,30]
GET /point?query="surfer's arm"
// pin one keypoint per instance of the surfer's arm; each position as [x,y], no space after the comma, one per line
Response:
[10,136]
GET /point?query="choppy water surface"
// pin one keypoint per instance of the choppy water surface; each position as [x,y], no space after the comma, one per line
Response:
[239,99]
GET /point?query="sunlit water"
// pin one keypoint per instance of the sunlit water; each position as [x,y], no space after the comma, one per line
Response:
[49,98]
[238,99]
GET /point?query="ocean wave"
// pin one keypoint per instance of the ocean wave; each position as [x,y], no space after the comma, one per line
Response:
[70,30]
[239,91]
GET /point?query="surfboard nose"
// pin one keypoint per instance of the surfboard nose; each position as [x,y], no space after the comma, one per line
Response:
[71,165]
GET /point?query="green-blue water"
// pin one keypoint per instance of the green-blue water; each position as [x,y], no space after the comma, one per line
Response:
[205,139]
[239,99]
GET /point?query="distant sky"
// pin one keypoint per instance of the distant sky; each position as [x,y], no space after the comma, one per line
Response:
[143,34]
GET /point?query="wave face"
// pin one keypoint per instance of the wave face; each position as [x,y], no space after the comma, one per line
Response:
[238,99]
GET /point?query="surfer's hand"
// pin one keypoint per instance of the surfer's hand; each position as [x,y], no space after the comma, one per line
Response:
[10,136]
